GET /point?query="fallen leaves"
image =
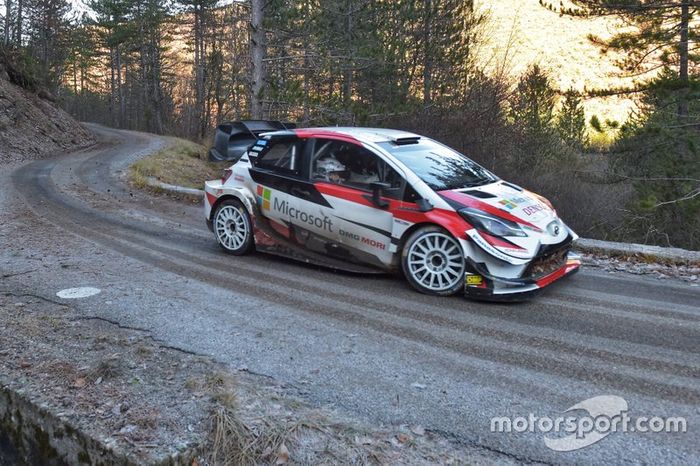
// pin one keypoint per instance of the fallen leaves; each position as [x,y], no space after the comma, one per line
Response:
[80,382]
[282,455]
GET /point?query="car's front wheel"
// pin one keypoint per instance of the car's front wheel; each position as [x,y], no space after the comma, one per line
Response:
[433,262]
[233,228]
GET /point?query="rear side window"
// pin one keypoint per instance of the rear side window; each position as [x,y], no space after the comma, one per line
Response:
[283,157]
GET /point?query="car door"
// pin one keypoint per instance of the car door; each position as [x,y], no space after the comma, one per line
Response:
[276,170]
[363,228]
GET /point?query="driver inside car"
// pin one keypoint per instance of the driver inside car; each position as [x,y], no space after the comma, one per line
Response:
[330,169]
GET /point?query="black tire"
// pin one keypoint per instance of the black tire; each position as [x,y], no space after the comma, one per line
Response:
[432,261]
[233,228]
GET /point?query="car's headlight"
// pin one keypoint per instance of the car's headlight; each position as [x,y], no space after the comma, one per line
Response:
[490,223]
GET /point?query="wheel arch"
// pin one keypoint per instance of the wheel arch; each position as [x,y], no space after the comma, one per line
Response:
[409,231]
[247,200]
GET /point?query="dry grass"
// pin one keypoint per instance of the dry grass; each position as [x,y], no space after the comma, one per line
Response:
[235,443]
[182,163]
[521,32]
[263,428]
[222,388]
[108,368]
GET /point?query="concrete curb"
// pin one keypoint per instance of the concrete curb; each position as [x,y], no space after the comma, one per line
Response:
[587,245]
[656,253]
[173,188]
[31,433]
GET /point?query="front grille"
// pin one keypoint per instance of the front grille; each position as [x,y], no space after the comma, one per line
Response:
[546,264]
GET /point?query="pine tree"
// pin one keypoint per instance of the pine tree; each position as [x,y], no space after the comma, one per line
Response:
[534,100]
[571,120]
[657,38]
[532,115]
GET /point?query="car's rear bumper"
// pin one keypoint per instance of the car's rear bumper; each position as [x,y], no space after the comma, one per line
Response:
[479,284]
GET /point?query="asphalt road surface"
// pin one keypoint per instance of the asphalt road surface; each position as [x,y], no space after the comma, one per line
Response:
[368,346]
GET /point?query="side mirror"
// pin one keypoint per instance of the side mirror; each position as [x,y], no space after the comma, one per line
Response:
[378,189]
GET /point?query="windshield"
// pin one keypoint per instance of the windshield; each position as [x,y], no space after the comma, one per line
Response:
[439,166]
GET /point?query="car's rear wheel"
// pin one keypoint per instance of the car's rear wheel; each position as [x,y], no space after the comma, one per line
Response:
[433,262]
[233,228]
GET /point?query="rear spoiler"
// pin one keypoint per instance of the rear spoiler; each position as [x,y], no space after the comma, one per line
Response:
[232,139]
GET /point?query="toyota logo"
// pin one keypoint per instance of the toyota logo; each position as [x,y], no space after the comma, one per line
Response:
[554,228]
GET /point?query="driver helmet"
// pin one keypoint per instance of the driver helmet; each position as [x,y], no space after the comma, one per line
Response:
[330,169]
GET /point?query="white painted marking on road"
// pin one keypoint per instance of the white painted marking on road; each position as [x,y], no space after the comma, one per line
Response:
[81,292]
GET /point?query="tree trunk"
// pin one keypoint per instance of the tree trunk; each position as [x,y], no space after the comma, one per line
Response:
[199,68]
[18,29]
[120,90]
[427,52]
[113,86]
[8,21]
[257,56]
[683,61]
[349,65]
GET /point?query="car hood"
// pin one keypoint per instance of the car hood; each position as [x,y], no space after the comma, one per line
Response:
[516,204]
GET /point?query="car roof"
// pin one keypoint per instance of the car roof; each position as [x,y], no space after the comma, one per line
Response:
[372,135]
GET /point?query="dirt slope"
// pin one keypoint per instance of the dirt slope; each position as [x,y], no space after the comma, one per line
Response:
[33,127]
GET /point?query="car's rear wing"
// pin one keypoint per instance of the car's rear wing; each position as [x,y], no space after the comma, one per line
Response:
[232,139]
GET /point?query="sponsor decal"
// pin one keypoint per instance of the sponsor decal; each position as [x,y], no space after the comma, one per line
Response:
[322,223]
[476,237]
[508,204]
[513,202]
[238,178]
[261,142]
[474,280]
[533,209]
[362,239]
[263,197]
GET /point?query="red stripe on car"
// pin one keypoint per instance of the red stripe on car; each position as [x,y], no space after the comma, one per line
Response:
[488,208]
[498,242]
[211,198]
[408,211]
[305,133]
[557,274]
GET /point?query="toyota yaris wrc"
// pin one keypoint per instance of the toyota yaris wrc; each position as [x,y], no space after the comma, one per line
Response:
[363,199]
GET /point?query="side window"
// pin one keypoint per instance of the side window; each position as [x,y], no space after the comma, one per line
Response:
[282,156]
[351,165]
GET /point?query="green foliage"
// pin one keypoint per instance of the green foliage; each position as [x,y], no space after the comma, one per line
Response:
[656,36]
[534,101]
[21,68]
[358,61]
[571,120]
[538,144]
[663,159]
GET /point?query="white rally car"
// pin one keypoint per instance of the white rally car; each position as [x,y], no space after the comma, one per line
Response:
[363,199]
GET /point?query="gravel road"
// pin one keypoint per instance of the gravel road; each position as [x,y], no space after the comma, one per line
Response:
[366,346]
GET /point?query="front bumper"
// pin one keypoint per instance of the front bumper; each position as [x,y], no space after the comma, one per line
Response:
[479,284]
